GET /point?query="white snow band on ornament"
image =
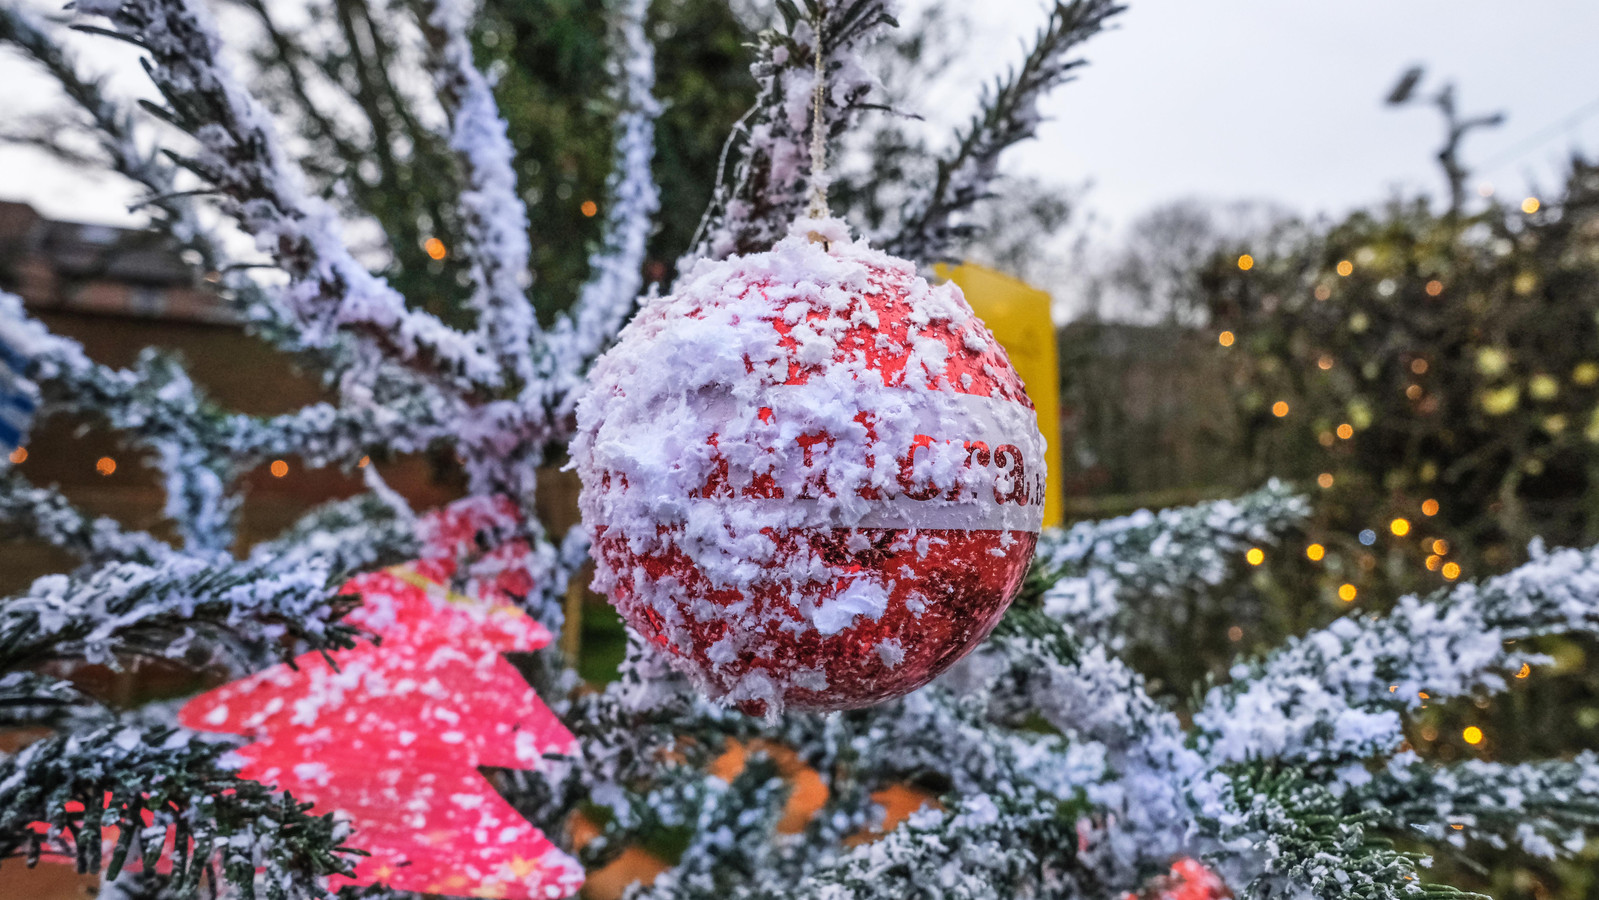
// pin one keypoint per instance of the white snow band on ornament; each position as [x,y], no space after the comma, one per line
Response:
[982,469]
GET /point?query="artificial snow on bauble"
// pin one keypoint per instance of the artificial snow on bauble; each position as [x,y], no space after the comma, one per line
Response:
[811,478]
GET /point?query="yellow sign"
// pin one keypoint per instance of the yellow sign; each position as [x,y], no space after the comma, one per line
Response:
[1018,315]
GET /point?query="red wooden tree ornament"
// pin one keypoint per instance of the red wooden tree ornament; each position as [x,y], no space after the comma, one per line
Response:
[394,737]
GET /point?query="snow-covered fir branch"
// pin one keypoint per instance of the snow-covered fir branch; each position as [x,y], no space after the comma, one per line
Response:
[239,612]
[1102,575]
[1339,693]
[772,182]
[115,125]
[494,221]
[240,157]
[32,700]
[349,536]
[45,514]
[120,777]
[1545,807]
[1008,115]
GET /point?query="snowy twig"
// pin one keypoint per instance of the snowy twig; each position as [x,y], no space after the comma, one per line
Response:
[45,514]
[772,183]
[239,155]
[494,221]
[1008,115]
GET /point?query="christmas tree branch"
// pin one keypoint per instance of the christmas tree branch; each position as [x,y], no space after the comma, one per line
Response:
[344,536]
[116,129]
[772,182]
[1099,578]
[494,221]
[1339,693]
[1283,834]
[330,292]
[32,700]
[1544,807]
[1008,115]
[246,612]
[59,795]
[45,514]
[1017,845]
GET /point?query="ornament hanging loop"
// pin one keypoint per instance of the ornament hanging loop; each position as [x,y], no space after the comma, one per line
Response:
[818,207]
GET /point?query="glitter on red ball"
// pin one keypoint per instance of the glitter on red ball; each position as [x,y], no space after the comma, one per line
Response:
[812,478]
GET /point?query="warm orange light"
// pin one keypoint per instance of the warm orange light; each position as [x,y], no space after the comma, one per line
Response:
[1419,366]
[18,456]
[435,248]
[1413,392]
[105,465]
[1255,556]
[279,468]
[365,461]
[1530,205]
[1246,262]
[1226,338]
[1526,669]
[1280,408]
[1315,552]
[1433,562]
[1346,431]
[590,209]
[1400,527]
[1346,268]
[1325,480]
[1324,363]
[1472,735]
[1451,571]
[1347,593]
[1323,292]
[1440,547]
[1235,634]
[1435,287]
[1429,507]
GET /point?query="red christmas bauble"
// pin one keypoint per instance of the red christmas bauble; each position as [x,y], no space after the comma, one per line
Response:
[810,477]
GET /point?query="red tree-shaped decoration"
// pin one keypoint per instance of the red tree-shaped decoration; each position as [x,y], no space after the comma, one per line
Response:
[395,735]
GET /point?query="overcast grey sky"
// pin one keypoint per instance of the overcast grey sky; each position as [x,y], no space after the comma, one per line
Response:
[1228,99]
[1282,99]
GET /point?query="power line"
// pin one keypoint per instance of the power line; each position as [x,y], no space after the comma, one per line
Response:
[1542,135]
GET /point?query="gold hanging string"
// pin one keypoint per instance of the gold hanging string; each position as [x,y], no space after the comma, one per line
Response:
[818,208]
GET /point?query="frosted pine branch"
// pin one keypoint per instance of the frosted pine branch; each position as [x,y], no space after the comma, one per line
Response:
[1543,807]
[772,182]
[494,221]
[116,129]
[114,776]
[1338,694]
[345,537]
[31,700]
[1102,575]
[237,612]
[239,156]
[45,514]
[1008,115]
